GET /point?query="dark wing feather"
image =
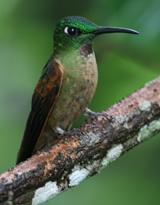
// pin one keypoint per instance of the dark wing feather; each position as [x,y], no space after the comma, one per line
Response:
[43,101]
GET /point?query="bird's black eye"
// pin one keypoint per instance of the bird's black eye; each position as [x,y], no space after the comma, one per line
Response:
[71,31]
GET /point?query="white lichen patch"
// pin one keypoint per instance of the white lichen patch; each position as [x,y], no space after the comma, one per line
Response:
[112,155]
[147,131]
[104,162]
[143,134]
[45,193]
[131,141]
[154,125]
[77,175]
[145,105]
[115,152]
[120,119]
[94,166]
[127,125]
[94,138]
[123,119]
[90,139]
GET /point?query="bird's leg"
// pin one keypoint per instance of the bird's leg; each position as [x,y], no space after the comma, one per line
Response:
[61,132]
[58,130]
[91,113]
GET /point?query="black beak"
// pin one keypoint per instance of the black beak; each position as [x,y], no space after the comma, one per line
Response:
[102,30]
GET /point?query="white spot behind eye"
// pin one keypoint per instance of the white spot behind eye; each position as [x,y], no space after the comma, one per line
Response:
[66,30]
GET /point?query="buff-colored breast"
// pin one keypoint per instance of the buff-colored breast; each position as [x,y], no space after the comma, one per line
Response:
[76,92]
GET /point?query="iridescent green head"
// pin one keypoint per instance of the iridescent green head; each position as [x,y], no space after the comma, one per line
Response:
[73,32]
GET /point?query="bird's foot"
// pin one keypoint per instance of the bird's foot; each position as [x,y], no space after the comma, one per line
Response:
[94,114]
[89,112]
[74,131]
[59,131]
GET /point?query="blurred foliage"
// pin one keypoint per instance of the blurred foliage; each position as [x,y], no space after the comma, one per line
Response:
[126,62]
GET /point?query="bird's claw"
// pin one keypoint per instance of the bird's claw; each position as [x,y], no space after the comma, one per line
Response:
[94,114]
[109,117]
[73,131]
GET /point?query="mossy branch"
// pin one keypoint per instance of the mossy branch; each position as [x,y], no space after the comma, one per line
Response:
[85,150]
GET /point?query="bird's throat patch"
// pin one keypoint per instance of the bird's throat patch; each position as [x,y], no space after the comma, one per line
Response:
[85,50]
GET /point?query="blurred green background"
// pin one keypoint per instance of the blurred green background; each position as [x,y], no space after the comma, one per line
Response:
[126,62]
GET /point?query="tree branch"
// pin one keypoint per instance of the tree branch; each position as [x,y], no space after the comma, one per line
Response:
[84,151]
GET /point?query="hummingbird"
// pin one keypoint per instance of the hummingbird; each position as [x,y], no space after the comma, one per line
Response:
[66,85]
